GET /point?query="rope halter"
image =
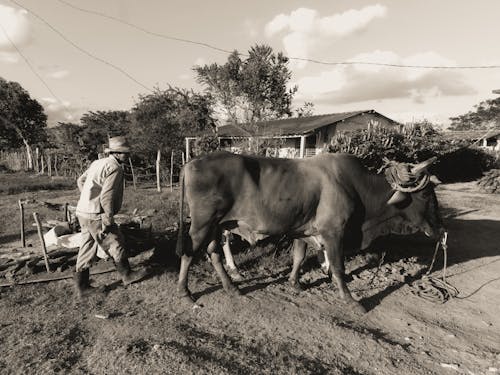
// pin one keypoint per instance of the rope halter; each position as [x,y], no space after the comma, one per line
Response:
[406,177]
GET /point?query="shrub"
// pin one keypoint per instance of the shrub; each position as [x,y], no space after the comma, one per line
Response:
[457,161]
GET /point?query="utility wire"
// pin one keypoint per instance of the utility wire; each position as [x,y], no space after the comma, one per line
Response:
[143,29]
[29,64]
[314,61]
[128,75]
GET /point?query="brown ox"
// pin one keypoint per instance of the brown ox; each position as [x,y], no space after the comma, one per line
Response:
[330,201]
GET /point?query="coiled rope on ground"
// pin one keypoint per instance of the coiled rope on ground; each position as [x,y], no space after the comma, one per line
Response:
[435,289]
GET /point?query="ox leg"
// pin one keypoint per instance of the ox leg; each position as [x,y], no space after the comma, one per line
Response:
[233,270]
[198,236]
[215,256]
[299,253]
[335,255]
[182,285]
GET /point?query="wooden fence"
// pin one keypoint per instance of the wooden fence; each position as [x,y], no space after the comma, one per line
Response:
[164,171]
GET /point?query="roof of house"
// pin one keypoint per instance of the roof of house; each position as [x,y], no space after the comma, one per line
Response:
[232,130]
[291,126]
[471,134]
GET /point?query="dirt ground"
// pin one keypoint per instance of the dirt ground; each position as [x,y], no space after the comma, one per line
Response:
[273,329]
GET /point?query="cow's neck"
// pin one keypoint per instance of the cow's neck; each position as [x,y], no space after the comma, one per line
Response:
[374,192]
[380,218]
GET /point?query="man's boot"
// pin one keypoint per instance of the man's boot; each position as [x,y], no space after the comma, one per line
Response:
[128,276]
[82,284]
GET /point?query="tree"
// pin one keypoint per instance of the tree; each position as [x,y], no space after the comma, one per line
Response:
[22,119]
[66,136]
[485,115]
[98,126]
[250,90]
[161,120]
[306,110]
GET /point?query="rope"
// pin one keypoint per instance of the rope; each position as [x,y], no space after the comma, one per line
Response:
[401,179]
[435,289]
[380,262]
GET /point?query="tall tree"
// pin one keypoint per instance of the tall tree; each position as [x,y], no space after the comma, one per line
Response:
[22,119]
[486,115]
[161,120]
[98,126]
[250,90]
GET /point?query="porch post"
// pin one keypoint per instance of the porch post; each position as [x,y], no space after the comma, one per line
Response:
[302,146]
[187,149]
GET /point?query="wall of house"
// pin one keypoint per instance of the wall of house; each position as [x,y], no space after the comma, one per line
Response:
[355,123]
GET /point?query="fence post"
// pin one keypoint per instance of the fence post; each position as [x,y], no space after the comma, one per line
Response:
[133,174]
[49,165]
[21,210]
[42,161]
[42,241]
[55,165]
[37,153]
[172,171]
[158,157]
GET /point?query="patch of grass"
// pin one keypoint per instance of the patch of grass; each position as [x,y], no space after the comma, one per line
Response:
[13,183]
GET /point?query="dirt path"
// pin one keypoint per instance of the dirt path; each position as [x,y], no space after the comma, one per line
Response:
[273,329]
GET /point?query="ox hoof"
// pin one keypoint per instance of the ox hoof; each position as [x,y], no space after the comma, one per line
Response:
[357,307]
[235,275]
[234,292]
[298,287]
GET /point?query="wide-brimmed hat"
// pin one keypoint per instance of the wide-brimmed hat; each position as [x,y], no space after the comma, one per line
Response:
[118,144]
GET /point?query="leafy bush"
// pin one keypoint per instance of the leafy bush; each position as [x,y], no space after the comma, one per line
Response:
[206,144]
[457,161]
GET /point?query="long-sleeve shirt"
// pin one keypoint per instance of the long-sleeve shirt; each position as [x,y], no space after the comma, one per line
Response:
[101,187]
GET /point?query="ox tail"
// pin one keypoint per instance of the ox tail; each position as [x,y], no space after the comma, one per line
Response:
[180,235]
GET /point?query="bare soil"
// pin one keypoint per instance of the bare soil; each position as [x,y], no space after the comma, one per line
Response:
[272,329]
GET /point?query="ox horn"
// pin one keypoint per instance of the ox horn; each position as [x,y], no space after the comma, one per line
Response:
[420,167]
[397,197]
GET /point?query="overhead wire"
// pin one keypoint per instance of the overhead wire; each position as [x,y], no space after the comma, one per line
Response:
[314,61]
[29,64]
[91,55]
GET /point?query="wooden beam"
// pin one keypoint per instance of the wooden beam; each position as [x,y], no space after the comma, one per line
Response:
[302,146]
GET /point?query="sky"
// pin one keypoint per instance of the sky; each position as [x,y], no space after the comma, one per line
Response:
[75,60]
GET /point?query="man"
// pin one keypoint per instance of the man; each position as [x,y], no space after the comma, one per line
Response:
[101,187]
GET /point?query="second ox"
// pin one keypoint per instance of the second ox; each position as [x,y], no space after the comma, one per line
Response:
[330,201]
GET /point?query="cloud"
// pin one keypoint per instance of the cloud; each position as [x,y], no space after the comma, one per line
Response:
[200,61]
[15,23]
[360,83]
[58,74]
[9,57]
[61,112]
[304,29]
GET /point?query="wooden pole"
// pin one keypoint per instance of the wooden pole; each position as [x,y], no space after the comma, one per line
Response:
[171,170]
[37,152]
[42,160]
[158,157]
[183,158]
[66,213]
[133,174]
[21,210]
[42,241]
[49,165]
[55,165]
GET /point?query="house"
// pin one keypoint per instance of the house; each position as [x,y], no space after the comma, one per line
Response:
[299,136]
[489,140]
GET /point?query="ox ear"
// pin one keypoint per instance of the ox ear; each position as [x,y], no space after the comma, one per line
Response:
[397,197]
[420,167]
[436,181]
